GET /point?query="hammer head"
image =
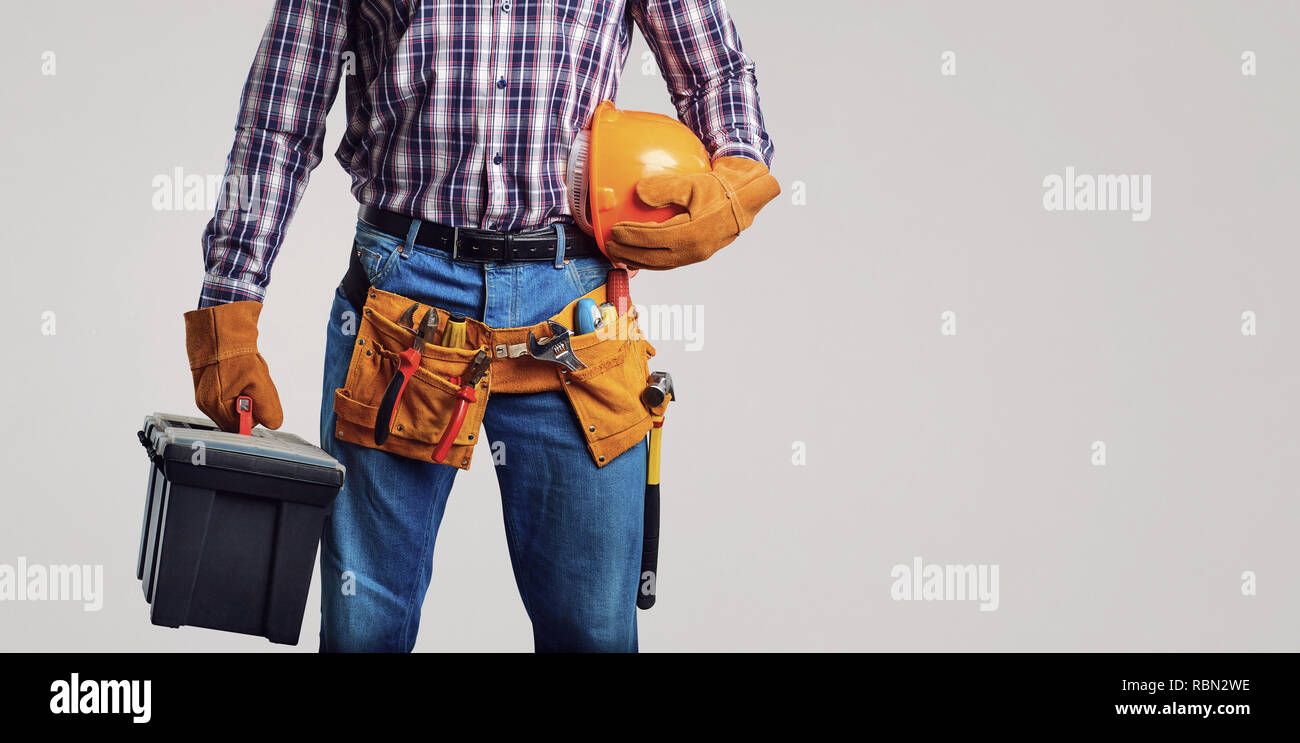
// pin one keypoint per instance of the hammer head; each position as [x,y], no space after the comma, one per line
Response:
[659,388]
[556,348]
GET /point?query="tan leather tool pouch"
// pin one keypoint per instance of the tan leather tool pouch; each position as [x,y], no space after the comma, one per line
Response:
[429,400]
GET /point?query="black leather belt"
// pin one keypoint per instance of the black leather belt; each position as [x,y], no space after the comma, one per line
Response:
[484,246]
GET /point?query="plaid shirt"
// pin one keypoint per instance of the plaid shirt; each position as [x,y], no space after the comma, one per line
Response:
[459,111]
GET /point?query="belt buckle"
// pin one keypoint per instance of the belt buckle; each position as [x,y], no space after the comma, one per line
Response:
[455,242]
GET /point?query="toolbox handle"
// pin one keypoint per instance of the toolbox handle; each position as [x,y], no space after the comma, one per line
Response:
[154,456]
[244,409]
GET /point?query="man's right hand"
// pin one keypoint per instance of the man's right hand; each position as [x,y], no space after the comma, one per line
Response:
[222,345]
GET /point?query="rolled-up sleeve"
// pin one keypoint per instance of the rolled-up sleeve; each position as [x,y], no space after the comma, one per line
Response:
[709,76]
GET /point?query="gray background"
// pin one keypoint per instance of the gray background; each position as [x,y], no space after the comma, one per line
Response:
[822,325]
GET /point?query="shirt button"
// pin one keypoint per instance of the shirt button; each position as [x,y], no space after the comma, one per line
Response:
[501,81]
[497,160]
[505,6]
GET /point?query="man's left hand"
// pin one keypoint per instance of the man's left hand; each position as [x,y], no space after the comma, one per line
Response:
[719,204]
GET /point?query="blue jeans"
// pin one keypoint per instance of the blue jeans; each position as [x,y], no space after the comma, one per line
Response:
[573,531]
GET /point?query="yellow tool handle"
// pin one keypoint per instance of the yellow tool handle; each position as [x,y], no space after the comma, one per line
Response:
[656,438]
[454,335]
[608,316]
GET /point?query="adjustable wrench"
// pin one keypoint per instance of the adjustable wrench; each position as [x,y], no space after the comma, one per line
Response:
[556,348]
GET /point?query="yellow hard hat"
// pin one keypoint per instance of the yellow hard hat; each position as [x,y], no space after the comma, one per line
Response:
[617,149]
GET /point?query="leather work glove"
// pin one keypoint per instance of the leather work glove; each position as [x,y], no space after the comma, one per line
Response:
[222,345]
[719,204]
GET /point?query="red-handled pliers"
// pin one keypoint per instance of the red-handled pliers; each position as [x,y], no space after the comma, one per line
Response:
[468,380]
[408,362]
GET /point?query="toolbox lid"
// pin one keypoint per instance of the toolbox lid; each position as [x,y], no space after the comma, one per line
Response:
[264,452]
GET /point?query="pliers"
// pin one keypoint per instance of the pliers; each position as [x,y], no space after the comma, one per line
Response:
[409,361]
[467,380]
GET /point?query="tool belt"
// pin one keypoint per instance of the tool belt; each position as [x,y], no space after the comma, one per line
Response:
[605,395]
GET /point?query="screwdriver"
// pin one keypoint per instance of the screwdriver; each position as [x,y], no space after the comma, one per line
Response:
[454,335]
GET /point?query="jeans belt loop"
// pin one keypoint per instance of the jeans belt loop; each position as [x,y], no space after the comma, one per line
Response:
[455,241]
[559,245]
[410,238]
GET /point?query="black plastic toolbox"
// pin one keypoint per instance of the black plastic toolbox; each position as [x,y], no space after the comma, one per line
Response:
[231,526]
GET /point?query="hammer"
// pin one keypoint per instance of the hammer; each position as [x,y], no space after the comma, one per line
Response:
[659,390]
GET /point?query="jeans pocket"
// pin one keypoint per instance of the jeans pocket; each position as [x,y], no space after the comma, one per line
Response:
[377,252]
[588,273]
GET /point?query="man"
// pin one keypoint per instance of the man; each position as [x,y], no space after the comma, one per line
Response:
[461,114]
